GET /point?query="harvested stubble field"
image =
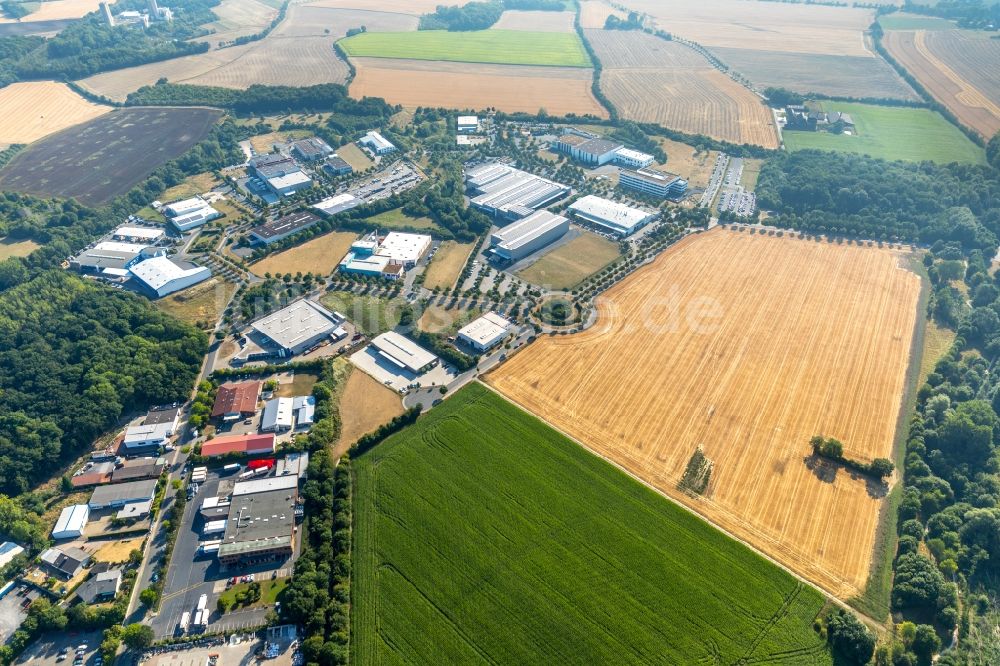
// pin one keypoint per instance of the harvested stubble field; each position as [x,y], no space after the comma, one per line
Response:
[438,319]
[960,68]
[238,18]
[746,345]
[32,110]
[594,14]
[413,7]
[481,535]
[510,88]
[319,256]
[653,80]
[105,157]
[571,263]
[843,76]
[447,264]
[502,47]
[764,26]
[56,10]
[535,20]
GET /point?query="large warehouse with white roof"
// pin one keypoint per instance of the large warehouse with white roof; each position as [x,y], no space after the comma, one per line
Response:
[485,332]
[404,353]
[300,326]
[518,240]
[161,276]
[508,194]
[610,215]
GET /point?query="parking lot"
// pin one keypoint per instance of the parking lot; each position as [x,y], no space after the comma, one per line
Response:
[45,651]
[13,610]
[400,178]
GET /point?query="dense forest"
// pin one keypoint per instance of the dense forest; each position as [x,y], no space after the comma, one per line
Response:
[481,15]
[967,13]
[75,358]
[853,195]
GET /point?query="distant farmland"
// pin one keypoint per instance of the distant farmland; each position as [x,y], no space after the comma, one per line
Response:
[481,535]
[31,110]
[842,76]
[893,133]
[511,47]
[103,158]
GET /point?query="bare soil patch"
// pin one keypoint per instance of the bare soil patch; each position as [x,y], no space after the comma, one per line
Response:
[746,345]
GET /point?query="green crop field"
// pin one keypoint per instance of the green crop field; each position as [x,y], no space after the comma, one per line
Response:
[893,133]
[481,535]
[900,21]
[510,47]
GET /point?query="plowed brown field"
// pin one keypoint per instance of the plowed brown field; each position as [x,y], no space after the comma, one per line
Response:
[960,72]
[510,88]
[747,346]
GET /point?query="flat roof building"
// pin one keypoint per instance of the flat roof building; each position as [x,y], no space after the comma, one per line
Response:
[282,175]
[249,445]
[159,415]
[277,416]
[112,255]
[372,264]
[187,214]
[311,149]
[293,464]
[8,551]
[236,400]
[652,182]
[377,143]
[300,326]
[589,149]
[283,227]
[485,332]
[508,194]
[260,528]
[146,438]
[632,159]
[335,165]
[404,353]
[518,240]
[161,276]
[467,124]
[610,215]
[130,234]
[336,204]
[403,248]
[118,495]
[71,522]
[268,484]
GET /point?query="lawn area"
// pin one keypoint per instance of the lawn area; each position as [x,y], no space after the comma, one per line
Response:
[568,265]
[893,133]
[354,156]
[10,247]
[937,341]
[511,47]
[447,264]
[202,304]
[371,314]
[751,171]
[437,319]
[302,384]
[481,535]
[270,592]
[397,219]
[114,552]
[319,255]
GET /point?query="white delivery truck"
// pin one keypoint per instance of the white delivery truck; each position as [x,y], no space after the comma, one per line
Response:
[234,467]
[185,623]
[203,602]
[210,547]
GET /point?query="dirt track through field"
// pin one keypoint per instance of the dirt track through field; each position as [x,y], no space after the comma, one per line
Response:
[747,346]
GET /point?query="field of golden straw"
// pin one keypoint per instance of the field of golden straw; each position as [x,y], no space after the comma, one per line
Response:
[747,346]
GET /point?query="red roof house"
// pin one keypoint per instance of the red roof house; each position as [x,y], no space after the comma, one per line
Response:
[245,444]
[236,400]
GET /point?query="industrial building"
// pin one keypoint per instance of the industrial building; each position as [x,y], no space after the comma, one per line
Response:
[372,265]
[169,415]
[485,332]
[518,240]
[236,400]
[139,469]
[8,551]
[508,194]
[118,495]
[64,562]
[112,258]
[71,522]
[335,165]
[248,445]
[161,276]
[404,353]
[377,143]
[279,174]
[129,234]
[610,215]
[146,438]
[189,213]
[388,258]
[93,474]
[300,326]
[632,159]
[587,148]
[283,227]
[652,182]
[467,124]
[260,528]
[336,204]
[293,464]
[283,414]
[311,149]
[402,248]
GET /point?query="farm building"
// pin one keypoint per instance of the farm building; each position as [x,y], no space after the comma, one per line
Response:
[93,474]
[508,194]
[121,495]
[64,562]
[112,257]
[236,400]
[404,353]
[338,203]
[8,551]
[311,149]
[335,165]
[655,183]
[161,276]
[300,326]
[587,148]
[279,174]
[128,234]
[160,415]
[485,332]
[467,124]
[518,240]
[249,445]
[146,438]
[189,213]
[632,159]
[71,522]
[377,143]
[101,587]
[610,215]
[283,227]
